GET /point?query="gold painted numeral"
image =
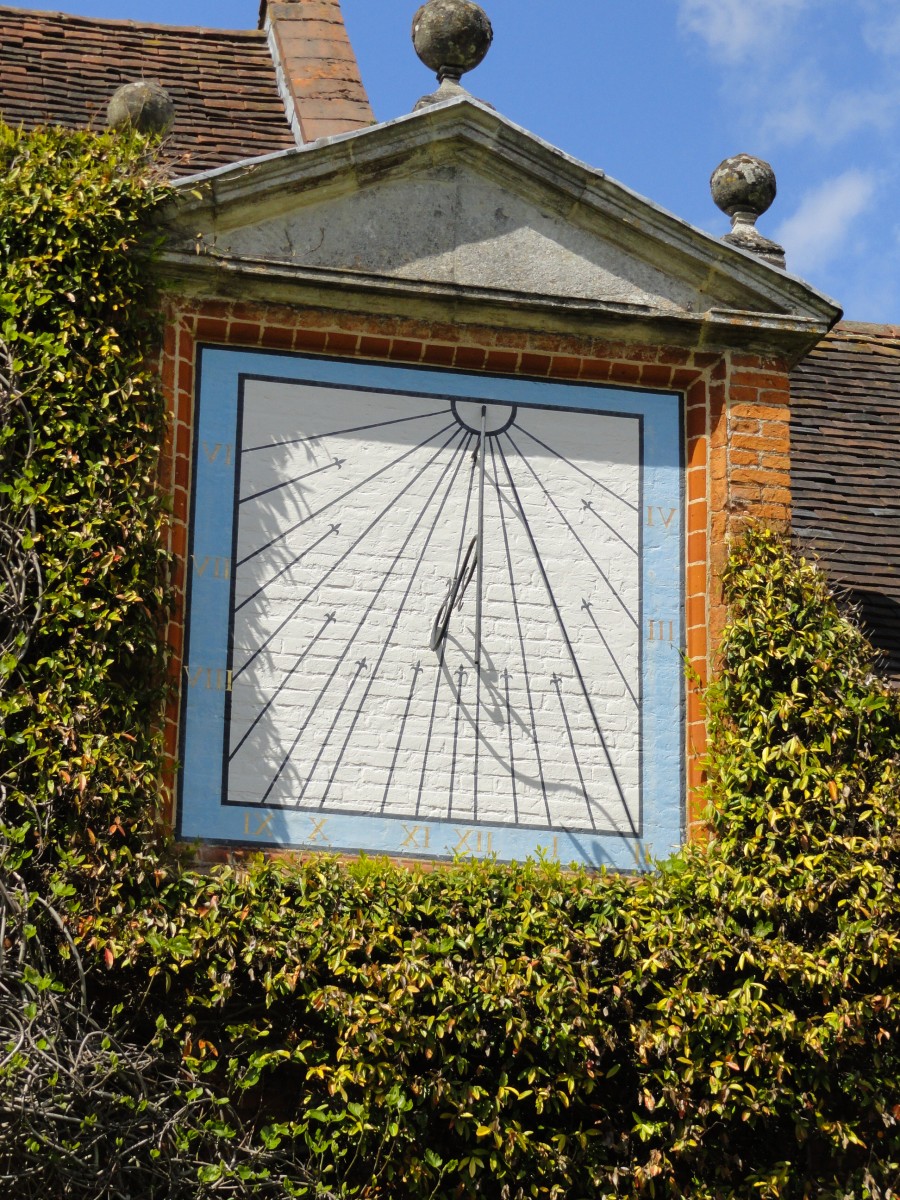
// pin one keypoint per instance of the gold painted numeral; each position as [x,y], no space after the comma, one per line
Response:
[317,832]
[417,838]
[484,842]
[662,631]
[214,679]
[657,516]
[212,452]
[221,567]
[260,828]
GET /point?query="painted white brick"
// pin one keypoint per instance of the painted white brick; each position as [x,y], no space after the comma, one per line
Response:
[346,545]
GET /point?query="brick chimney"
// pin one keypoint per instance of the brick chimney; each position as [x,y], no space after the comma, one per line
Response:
[318,75]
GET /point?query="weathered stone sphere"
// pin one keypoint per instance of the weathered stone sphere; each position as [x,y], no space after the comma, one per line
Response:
[451,36]
[743,184]
[143,105]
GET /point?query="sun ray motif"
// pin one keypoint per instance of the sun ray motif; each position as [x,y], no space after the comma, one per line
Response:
[285,680]
[581,471]
[351,641]
[287,567]
[521,640]
[439,673]
[473,736]
[460,451]
[570,528]
[317,437]
[343,496]
[571,652]
[388,508]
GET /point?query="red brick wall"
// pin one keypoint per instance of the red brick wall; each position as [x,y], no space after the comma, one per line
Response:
[737,430]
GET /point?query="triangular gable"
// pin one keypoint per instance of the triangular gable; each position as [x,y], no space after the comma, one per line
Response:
[458,199]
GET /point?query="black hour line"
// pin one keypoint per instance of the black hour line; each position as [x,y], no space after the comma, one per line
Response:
[556,681]
[416,672]
[362,622]
[343,496]
[361,666]
[329,617]
[627,611]
[316,437]
[515,600]
[512,756]
[457,433]
[338,462]
[461,673]
[588,608]
[479,595]
[569,646]
[298,558]
[589,803]
[443,650]
[556,454]
[477,734]
[588,504]
[460,454]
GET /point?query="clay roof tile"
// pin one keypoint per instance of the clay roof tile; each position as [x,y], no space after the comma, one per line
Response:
[63,69]
[845,456]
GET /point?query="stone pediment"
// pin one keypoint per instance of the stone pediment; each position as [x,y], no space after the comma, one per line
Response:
[455,201]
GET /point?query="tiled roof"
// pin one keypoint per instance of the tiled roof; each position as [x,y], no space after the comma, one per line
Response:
[60,69]
[845,453]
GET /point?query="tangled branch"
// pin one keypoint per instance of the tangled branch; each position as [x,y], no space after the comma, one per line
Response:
[86,1116]
[21,580]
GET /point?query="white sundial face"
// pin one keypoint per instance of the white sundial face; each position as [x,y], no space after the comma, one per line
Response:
[434,638]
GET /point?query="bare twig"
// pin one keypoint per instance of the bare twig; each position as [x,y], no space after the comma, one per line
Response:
[88,1116]
[21,579]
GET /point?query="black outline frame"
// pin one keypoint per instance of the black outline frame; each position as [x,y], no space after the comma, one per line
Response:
[430,370]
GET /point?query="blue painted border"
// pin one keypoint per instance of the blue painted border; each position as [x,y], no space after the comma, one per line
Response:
[202,813]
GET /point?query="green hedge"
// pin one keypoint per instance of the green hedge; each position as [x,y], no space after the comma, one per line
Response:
[726,1027]
[78,314]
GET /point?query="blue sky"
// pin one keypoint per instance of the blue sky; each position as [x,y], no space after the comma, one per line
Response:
[657,92]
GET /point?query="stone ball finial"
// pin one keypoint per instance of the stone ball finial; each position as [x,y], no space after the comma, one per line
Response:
[744,188]
[143,105]
[451,37]
[743,183]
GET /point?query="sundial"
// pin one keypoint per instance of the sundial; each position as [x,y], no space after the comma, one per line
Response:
[433,613]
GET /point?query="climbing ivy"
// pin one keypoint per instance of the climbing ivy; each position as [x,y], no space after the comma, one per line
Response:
[78,317]
[768,964]
[725,1027]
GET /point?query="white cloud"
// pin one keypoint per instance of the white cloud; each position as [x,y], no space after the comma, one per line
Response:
[806,107]
[881,26]
[822,223]
[735,29]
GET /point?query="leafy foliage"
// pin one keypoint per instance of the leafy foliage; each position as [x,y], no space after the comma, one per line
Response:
[80,756]
[768,964]
[84,1113]
[21,578]
[420,1032]
[724,1028]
